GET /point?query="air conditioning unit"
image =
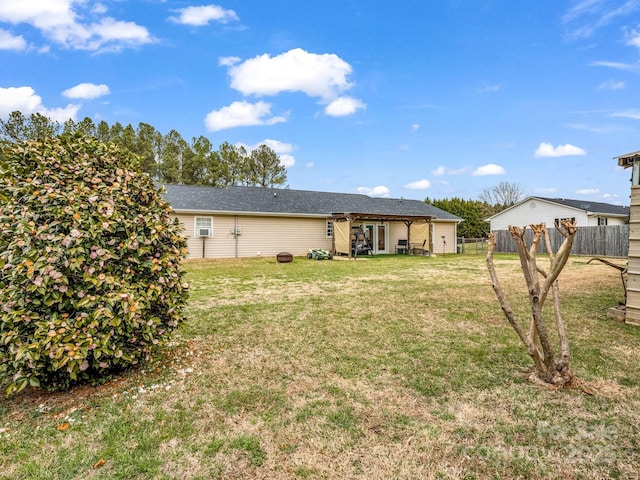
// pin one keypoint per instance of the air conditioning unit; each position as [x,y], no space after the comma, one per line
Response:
[204,232]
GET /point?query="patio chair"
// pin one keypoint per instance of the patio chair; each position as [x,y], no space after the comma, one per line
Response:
[420,250]
[402,247]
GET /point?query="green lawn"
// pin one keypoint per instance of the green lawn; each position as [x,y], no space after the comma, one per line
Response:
[396,367]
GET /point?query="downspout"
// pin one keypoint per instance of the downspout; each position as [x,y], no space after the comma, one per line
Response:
[235,233]
[333,235]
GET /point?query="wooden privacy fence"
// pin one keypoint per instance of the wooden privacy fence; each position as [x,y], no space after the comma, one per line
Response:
[601,241]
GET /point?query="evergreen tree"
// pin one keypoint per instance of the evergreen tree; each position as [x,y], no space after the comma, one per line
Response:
[474,225]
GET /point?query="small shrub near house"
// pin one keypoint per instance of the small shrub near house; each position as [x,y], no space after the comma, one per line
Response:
[90,263]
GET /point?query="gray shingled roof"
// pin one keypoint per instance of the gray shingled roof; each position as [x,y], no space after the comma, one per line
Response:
[592,207]
[188,198]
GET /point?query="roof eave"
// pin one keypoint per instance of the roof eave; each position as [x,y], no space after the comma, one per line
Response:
[250,214]
[628,159]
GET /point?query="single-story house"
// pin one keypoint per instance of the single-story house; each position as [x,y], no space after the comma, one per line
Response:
[252,221]
[535,210]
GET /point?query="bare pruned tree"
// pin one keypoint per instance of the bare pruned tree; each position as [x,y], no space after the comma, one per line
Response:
[550,368]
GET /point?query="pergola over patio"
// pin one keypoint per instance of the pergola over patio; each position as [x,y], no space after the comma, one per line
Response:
[418,228]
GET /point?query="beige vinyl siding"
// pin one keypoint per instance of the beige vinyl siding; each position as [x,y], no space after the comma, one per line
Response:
[270,235]
[260,236]
[267,236]
[221,245]
[449,231]
[633,283]
[397,231]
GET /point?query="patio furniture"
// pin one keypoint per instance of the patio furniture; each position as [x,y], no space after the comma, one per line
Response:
[402,247]
[419,249]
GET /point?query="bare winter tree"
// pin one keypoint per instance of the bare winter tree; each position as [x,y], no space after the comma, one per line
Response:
[502,196]
[550,368]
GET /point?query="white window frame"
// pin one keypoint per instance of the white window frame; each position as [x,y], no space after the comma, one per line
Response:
[603,221]
[329,229]
[197,228]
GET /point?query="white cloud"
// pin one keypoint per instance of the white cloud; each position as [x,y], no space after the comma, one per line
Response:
[228,61]
[111,34]
[608,196]
[415,127]
[627,67]
[60,22]
[548,150]
[588,191]
[287,160]
[633,38]
[491,88]
[611,85]
[379,191]
[27,101]
[488,169]
[585,17]
[8,41]
[241,114]
[19,98]
[309,165]
[633,114]
[99,8]
[344,106]
[87,91]
[202,15]
[323,76]
[282,149]
[442,170]
[418,185]
[62,114]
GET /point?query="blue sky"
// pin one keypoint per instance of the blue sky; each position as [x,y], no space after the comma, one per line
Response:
[405,98]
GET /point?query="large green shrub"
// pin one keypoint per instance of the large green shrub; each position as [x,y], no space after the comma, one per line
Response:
[90,263]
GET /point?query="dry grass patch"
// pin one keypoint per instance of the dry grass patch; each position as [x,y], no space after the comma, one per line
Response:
[399,367]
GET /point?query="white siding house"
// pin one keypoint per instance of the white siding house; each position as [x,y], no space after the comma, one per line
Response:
[534,210]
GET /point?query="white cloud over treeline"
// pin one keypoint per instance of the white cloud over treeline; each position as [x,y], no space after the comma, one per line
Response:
[321,76]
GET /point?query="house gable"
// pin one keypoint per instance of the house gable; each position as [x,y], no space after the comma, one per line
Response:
[547,210]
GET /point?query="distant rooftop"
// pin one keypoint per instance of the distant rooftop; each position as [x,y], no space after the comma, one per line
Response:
[594,207]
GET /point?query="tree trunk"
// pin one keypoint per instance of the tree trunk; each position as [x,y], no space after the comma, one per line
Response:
[550,368]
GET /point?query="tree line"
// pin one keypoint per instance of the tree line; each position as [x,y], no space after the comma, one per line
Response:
[490,201]
[167,158]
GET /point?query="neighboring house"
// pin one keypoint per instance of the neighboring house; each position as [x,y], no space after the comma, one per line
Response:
[534,210]
[632,307]
[251,221]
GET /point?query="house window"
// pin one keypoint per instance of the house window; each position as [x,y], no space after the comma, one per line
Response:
[329,229]
[204,227]
[558,220]
[602,220]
